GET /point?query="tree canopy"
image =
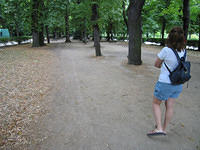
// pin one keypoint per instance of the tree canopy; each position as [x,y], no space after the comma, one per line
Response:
[72,18]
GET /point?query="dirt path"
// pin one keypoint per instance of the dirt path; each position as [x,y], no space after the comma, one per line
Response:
[104,104]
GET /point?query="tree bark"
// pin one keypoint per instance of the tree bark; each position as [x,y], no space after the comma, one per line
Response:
[94,19]
[97,40]
[17,31]
[67,29]
[135,32]
[41,35]
[35,33]
[163,31]
[41,22]
[164,23]
[67,23]
[47,33]
[186,17]
[85,32]
[109,31]
[37,23]
[17,24]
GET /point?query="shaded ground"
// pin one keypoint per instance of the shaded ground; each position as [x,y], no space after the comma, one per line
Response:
[103,103]
[25,73]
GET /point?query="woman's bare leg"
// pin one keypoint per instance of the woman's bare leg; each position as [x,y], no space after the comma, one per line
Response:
[157,113]
[169,112]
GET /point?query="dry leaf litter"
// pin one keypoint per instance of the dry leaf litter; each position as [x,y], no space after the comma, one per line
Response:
[25,81]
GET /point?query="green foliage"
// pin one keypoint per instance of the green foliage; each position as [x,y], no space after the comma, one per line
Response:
[111,13]
[16,16]
[157,10]
[194,16]
[4,40]
[81,16]
[16,39]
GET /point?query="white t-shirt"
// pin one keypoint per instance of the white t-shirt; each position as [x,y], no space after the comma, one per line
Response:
[170,60]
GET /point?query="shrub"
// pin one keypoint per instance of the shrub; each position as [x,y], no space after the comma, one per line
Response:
[16,39]
[4,40]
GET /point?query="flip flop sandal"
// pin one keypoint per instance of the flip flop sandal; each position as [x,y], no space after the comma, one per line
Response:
[156,133]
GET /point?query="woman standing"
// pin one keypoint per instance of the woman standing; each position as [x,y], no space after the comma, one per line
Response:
[164,90]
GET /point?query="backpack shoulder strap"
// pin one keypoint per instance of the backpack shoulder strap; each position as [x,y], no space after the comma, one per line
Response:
[177,56]
[185,54]
[167,68]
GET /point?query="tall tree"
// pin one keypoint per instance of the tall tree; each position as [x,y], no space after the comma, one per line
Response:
[96,31]
[41,22]
[186,17]
[35,33]
[164,22]
[46,23]
[67,37]
[135,32]
[37,23]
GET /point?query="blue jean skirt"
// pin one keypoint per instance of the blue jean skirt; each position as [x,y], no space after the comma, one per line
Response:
[164,91]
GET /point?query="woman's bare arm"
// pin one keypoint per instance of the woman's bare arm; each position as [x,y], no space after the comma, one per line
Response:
[158,62]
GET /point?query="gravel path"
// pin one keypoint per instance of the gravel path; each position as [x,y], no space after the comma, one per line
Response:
[104,104]
[101,103]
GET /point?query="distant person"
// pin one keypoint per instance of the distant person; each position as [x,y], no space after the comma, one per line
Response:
[164,91]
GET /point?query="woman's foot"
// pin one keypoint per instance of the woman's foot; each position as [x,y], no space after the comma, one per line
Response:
[156,132]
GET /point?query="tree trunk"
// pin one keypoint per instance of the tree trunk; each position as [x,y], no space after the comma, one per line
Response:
[97,40]
[108,35]
[17,24]
[96,28]
[147,35]
[186,17]
[85,32]
[41,22]
[67,29]
[41,35]
[109,31]
[17,31]
[35,36]
[190,35]
[164,23]
[67,23]
[47,33]
[37,23]
[163,32]
[35,33]
[135,32]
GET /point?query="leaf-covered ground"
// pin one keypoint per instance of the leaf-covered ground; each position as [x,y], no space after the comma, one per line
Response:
[24,83]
